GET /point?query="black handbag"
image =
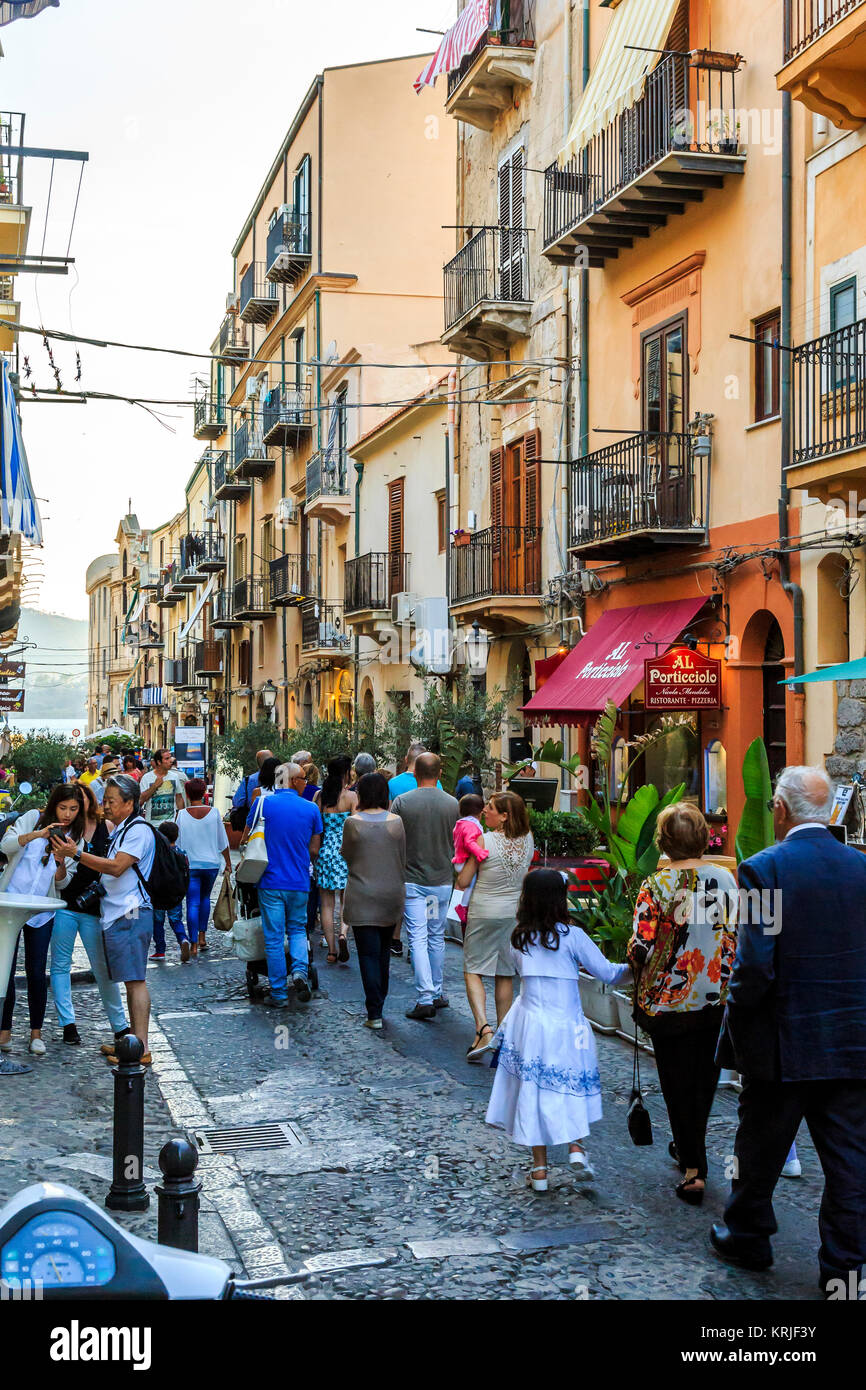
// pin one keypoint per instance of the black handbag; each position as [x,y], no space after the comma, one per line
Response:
[638,1117]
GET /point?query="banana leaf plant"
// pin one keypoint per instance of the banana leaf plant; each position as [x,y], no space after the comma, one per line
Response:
[452,751]
[755,831]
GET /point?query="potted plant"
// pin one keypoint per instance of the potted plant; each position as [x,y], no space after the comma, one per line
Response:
[462,537]
[723,130]
[563,839]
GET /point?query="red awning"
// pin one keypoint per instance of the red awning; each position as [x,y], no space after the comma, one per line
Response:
[607,663]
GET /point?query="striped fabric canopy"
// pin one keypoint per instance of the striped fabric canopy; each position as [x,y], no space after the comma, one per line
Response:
[471,25]
[18,509]
[23,9]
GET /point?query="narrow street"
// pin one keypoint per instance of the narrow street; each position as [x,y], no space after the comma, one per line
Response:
[389,1150]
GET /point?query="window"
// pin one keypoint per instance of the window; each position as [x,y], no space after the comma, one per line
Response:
[843,314]
[715,779]
[664,380]
[442,520]
[512,242]
[301,204]
[767,333]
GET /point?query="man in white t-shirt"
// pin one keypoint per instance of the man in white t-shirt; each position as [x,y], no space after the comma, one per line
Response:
[161,789]
[126,912]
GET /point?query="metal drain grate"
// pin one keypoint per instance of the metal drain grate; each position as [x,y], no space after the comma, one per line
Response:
[280,1134]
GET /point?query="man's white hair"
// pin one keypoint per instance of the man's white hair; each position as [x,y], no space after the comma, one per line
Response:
[286,773]
[807,792]
[302,756]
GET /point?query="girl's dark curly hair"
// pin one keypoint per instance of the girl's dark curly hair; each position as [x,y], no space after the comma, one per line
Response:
[543,905]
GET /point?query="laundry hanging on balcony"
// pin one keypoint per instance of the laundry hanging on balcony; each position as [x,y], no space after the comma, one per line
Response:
[470,27]
[621,69]
[18,509]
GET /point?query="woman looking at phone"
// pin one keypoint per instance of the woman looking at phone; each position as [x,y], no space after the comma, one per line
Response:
[34,870]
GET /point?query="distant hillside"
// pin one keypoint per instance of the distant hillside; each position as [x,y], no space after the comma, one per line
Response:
[57,667]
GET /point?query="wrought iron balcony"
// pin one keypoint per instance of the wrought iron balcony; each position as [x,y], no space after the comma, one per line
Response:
[482,87]
[487,298]
[323,628]
[645,491]
[141,699]
[250,598]
[148,577]
[209,416]
[149,635]
[225,486]
[501,561]
[222,611]
[252,459]
[207,659]
[193,548]
[288,254]
[825,58]
[259,297]
[292,580]
[828,408]
[169,592]
[327,491]
[287,415]
[373,579]
[214,557]
[680,139]
[233,345]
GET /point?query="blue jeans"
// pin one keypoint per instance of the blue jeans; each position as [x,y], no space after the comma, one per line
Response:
[424,920]
[67,926]
[175,921]
[201,881]
[284,914]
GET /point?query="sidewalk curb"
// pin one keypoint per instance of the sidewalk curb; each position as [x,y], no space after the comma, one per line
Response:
[79,977]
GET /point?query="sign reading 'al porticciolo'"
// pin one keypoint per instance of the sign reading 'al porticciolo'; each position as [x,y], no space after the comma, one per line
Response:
[682,679]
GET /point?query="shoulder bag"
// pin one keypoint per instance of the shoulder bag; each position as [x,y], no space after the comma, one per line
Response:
[638,1117]
[254,858]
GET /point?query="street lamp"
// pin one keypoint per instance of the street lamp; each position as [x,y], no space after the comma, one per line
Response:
[204,706]
[477,652]
[269,697]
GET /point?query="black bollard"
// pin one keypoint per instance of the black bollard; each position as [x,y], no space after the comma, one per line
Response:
[177,1196]
[127,1191]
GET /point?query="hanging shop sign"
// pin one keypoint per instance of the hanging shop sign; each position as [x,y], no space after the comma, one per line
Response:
[12,670]
[12,701]
[681,679]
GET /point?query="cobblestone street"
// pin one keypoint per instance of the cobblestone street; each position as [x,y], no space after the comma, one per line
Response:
[391,1151]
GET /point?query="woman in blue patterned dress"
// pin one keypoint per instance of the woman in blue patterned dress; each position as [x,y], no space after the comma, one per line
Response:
[336,803]
[547,1088]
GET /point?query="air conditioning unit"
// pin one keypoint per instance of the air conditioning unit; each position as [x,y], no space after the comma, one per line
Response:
[252,388]
[402,606]
[434,642]
[288,512]
[232,301]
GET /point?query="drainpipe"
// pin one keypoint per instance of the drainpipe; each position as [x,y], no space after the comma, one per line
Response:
[583,380]
[359,476]
[794,590]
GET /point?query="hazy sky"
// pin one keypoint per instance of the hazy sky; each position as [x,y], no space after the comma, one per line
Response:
[182,105]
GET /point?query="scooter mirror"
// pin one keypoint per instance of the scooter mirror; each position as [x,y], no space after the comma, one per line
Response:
[25,788]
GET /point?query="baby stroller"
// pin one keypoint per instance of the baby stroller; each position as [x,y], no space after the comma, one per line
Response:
[248,943]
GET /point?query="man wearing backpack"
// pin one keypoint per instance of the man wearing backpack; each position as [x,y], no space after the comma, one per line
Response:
[126,911]
[243,797]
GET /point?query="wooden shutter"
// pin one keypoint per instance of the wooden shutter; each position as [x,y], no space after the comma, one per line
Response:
[510,222]
[496,458]
[396,581]
[532,479]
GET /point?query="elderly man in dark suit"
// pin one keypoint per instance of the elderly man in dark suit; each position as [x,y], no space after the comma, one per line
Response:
[795,1028]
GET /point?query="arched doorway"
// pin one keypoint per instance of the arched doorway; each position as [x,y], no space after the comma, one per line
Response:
[307,705]
[775,715]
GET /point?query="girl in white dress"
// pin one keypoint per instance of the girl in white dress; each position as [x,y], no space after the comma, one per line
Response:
[547,1088]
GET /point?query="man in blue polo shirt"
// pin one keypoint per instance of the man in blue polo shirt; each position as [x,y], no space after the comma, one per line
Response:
[293,833]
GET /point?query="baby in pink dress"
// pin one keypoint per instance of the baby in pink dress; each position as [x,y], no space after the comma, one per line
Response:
[468,844]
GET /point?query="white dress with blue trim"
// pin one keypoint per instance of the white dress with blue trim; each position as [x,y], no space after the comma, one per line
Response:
[547,1087]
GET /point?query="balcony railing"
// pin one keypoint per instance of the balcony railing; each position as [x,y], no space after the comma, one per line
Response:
[285,413]
[193,550]
[322,626]
[250,595]
[144,697]
[374,578]
[688,107]
[829,394]
[501,560]
[655,486]
[175,671]
[258,295]
[233,339]
[209,414]
[224,484]
[249,442]
[327,475]
[11,165]
[493,265]
[288,246]
[808,20]
[213,558]
[512,23]
[292,579]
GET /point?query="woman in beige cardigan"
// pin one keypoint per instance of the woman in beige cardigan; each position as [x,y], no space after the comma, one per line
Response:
[374,848]
[33,870]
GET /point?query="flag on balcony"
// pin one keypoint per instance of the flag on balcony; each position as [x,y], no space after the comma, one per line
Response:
[631,49]
[23,9]
[462,37]
[18,509]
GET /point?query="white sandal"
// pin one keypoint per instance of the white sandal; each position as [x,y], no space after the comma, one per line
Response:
[585,1171]
[537,1184]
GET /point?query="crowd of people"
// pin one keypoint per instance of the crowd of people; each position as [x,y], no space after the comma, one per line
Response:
[763,973]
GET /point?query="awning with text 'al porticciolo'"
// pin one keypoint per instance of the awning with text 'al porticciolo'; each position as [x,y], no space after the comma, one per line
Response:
[608,662]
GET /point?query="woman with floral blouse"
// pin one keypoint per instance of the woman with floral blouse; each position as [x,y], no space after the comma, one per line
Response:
[684,944]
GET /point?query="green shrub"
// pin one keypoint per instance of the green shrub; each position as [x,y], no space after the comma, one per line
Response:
[562,834]
[40,759]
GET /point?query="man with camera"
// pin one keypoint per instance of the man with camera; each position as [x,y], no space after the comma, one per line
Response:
[126,913]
